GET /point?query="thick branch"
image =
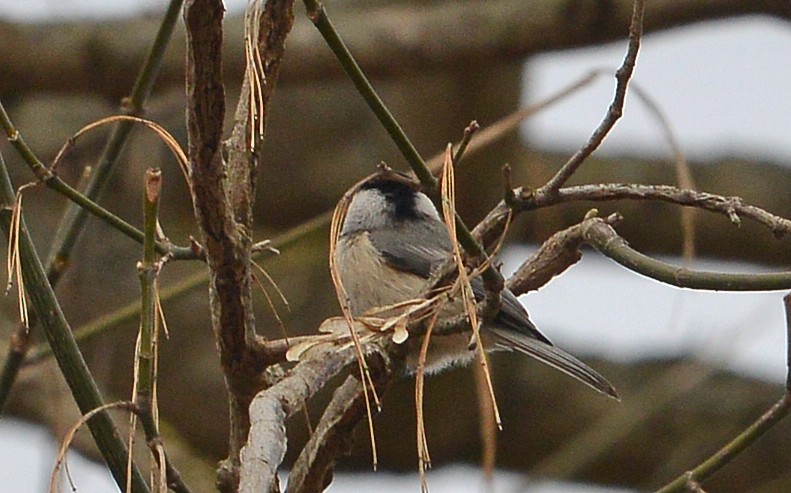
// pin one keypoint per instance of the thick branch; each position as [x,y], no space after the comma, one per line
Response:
[227,242]
[266,447]
[333,437]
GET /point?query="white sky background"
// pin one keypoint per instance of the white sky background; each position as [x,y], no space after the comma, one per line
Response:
[724,86]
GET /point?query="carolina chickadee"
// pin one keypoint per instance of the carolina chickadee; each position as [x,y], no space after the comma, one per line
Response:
[391,240]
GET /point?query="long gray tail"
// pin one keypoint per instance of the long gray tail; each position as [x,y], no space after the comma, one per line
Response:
[554,357]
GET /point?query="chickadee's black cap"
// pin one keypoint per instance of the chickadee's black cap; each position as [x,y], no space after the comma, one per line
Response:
[400,190]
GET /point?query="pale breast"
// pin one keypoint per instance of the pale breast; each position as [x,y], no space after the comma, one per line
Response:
[369,281]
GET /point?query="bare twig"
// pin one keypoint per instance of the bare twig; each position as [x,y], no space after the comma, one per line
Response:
[614,112]
[732,207]
[469,131]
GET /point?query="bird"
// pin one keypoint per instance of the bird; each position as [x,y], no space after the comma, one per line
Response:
[391,241]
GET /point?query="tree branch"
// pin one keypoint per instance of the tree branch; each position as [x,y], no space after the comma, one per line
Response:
[614,112]
[333,437]
[266,447]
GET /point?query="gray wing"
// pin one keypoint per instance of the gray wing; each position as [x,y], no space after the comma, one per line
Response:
[401,249]
[434,248]
[512,327]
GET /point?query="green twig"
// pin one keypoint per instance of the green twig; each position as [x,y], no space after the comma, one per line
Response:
[746,438]
[318,16]
[604,238]
[148,271]
[72,223]
[70,360]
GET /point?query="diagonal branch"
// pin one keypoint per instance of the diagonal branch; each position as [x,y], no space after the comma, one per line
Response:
[756,430]
[333,437]
[614,112]
[264,452]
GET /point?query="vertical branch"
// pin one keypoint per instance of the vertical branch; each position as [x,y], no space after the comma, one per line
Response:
[223,195]
[265,35]
[227,244]
[147,271]
[145,398]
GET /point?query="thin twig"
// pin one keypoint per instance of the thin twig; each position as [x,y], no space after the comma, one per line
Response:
[746,438]
[469,131]
[53,181]
[731,207]
[71,224]
[614,112]
[683,175]
[318,16]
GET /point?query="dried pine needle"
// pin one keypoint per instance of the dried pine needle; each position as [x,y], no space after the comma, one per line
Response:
[158,129]
[14,261]
[449,215]
[60,460]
